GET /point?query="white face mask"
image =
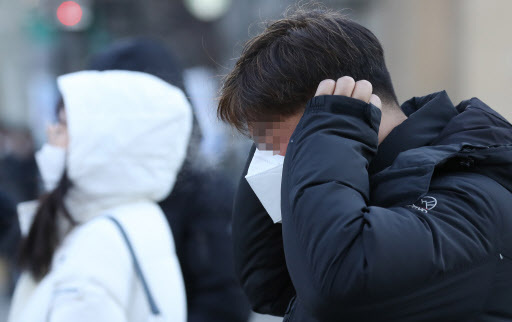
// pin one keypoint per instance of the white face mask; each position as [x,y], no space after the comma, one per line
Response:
[51,161]
[264,177]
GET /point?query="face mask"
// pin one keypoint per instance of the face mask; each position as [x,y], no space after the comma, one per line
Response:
[264,177]
[51,161]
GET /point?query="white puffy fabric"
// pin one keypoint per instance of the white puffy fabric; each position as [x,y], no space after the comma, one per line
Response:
[128,133]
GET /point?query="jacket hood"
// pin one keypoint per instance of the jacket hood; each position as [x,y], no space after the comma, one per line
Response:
[153,57]
[470,121]
[486,137]
[128,135]
[440,136]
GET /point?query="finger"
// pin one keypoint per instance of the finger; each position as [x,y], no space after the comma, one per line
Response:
[375,100]
[362,91]
[326,87]
[345,86]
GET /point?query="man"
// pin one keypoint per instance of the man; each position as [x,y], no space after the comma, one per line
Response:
[389,213]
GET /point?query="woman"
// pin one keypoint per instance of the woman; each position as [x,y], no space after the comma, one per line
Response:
[119,145]
[199,207]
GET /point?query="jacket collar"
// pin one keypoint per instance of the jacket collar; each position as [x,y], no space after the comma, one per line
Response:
[427,117]
[469,137]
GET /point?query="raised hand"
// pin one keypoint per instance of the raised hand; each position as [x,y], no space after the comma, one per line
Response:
[346,86]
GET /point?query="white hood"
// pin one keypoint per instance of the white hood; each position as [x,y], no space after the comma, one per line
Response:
[128,137]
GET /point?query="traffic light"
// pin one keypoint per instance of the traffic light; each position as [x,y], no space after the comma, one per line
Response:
[74,15]
[69,13]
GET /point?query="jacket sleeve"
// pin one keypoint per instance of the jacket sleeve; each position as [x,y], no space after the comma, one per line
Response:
[84,300]
[90,275]
[354,262]
[258,252]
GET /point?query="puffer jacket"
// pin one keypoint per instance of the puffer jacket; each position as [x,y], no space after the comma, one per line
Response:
[415,229]
[128,136]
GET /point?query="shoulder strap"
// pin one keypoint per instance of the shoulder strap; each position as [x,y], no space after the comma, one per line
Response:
[151,301]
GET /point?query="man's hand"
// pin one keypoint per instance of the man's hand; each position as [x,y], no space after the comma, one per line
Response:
[346,86]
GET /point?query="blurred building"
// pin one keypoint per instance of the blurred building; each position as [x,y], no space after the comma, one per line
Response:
[458,45]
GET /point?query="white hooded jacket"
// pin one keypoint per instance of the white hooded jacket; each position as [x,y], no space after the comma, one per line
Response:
[128,136]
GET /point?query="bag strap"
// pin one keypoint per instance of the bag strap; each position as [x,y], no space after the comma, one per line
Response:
[151,301]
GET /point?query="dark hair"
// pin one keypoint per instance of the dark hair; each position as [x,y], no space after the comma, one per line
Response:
[280,69]
[37,249]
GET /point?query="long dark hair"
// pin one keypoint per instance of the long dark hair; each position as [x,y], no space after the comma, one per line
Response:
[37,249]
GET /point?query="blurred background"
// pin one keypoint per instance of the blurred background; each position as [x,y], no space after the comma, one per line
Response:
[462,46]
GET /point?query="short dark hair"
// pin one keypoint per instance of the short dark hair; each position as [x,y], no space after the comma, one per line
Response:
[280,69]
